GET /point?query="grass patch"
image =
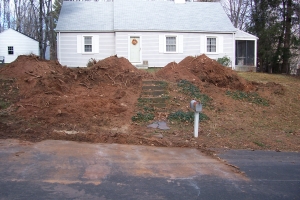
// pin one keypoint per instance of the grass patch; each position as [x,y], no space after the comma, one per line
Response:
[4,104]
[260,144]
[251,97]
[148,109]
[193,91]
[152,70]
[141,117]
[185,116]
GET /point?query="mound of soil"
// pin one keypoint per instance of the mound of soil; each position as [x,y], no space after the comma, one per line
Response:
[95,98]
[203,69]
[96,104]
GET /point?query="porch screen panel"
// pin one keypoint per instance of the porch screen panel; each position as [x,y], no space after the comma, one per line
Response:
[250,53]
[244,52]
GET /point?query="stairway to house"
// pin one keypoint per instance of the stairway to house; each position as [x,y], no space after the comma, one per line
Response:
[154,94]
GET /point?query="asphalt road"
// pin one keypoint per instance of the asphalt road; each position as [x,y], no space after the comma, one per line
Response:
[71,170]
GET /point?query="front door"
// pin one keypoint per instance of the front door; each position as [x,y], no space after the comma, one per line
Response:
[135,49]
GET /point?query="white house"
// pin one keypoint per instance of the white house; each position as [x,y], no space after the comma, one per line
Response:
[14,43]
[147,33]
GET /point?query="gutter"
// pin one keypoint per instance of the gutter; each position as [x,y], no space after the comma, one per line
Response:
[124,30]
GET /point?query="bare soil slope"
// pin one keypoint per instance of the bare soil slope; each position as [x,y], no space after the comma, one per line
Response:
[44,100]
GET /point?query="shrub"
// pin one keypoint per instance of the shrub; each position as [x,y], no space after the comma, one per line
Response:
[225,61]
[91,62]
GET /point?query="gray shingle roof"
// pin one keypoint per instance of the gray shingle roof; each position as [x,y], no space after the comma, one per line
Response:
[139,15]
[85,16]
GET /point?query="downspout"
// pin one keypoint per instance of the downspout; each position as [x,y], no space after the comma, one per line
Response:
[59,55]
[255,53]
[233,60]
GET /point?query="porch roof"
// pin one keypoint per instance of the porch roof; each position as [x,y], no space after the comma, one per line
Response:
[242,35]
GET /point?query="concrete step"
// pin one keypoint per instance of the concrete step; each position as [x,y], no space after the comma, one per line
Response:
[151,82]
[154,99]
[161,106]
[153,92]
[153,87]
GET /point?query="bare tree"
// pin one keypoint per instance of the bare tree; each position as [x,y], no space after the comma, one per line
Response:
[237,11]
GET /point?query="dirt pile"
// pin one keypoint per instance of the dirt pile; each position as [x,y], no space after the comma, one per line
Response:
[43,100]
[203,69]
[79,99]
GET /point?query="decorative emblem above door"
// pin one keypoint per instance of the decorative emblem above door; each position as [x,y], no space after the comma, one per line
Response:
[134,41]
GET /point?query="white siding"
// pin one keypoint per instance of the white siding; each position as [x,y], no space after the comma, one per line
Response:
[70,52]
[226,45]
[192,44]
[22,45]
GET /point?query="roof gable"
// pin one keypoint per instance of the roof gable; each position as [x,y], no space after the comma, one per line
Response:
[140,15]
[242,35]
[9,32]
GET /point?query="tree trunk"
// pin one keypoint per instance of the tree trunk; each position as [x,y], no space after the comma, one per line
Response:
[41,30]
[287,39]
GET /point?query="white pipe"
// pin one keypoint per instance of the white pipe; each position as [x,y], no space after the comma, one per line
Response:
[196,124]
[59,55]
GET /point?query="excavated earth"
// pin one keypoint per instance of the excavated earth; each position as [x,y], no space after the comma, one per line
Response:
[44,100]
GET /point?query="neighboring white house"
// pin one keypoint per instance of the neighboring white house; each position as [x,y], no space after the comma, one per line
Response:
[147,33]
[14,43]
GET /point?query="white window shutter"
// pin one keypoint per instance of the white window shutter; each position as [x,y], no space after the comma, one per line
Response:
[180,43]
[220,44]
[161,44]
[202,44]
[95,41]
[79,45]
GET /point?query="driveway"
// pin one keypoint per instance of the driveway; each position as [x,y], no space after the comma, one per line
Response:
[71,170]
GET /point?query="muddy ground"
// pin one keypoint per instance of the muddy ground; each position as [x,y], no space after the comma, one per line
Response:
[42,100]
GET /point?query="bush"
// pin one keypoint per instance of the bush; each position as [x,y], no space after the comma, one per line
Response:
[91,62]
[225,61]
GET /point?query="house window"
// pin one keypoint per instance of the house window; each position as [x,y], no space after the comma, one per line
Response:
[170,43]
[10,50]
[211,44]
[87,44]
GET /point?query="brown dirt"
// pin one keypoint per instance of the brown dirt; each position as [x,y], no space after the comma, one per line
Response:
[95,104]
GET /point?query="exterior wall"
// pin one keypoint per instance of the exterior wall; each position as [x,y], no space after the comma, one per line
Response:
[192,44]
[68,54]
[22,45]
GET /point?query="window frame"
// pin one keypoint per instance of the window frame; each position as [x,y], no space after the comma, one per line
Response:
[81,43]
[85,45]
[166,45]
[162,43]
[10,50]
[210,45]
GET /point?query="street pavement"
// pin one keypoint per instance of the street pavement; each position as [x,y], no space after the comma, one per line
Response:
[70,170]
